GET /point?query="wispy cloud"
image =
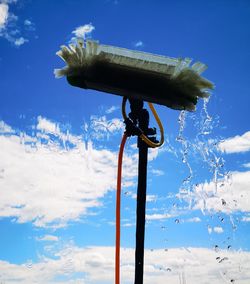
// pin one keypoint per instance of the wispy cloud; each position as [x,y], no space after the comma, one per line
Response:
[48,238]
[49,184]
[112,109]
[10,28]
[102,127]
[4,13]
[29,25]
[157,172]
[83,31]
[158,216]
[218,230]
[246,219]
[193,220]
[8,1]
[5,128]
[247,165]
[27,22]
[96,265]
[237,144]
[138,44]
[128,225]
[151,197]
[47,125]
[20,41]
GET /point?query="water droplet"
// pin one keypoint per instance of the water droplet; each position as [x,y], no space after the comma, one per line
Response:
[216,248]
[229,246]
[177,221]
[179,139]
[223,259]
[223,202]
[169,269]
[209,229]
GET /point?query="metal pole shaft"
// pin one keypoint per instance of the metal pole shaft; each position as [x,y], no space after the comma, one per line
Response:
[141,208]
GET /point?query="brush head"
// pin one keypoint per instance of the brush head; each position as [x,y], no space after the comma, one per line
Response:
[153,78]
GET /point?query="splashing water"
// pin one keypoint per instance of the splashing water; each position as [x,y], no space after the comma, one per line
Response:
[198,194]
[207,126]
[204,148]
[186,184]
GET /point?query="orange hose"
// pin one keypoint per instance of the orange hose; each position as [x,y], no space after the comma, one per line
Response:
[118,211]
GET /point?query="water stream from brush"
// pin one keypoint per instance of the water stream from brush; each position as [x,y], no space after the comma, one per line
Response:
[186,184]
[206,148]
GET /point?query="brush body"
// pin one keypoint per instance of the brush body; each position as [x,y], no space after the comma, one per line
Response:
[134,74]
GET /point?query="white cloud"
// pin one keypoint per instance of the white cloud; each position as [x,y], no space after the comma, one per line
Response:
[128,225]
[8,25]
[101,127]
[83,31]
[112,109]
[157,172]
[193,220]
[246,219]
[5,128]
[218,230]
[151,197]
[133,146]
[8,1]
[139,44]
[20,41]
[48,126]
[48,184]
[29,26]
[153,153]
[4,11]
[48,238]
[27,22]
[236,144]
[96,265]
[247,165]
[158,216]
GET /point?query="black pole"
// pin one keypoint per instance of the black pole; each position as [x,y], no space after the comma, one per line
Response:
[140,211]
[143,122]
[138,123]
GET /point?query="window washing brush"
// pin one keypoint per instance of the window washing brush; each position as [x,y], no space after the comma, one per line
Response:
[172,82]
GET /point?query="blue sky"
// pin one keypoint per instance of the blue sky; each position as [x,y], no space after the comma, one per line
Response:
[59,146]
